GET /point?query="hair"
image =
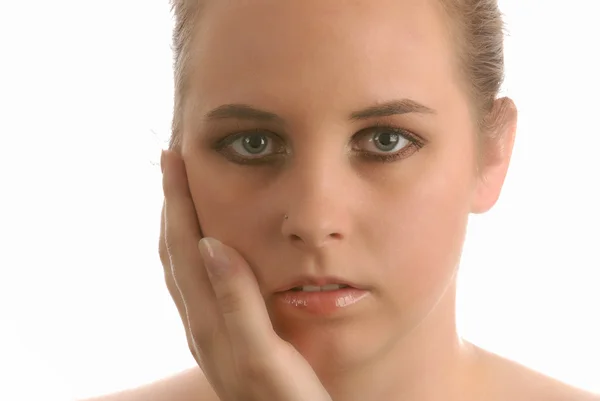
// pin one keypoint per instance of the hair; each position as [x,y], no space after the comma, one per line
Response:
[477,26]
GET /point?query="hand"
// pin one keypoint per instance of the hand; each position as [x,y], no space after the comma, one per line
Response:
[227,325]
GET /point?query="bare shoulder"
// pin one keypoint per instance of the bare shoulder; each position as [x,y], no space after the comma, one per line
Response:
[509,380]
[190,385]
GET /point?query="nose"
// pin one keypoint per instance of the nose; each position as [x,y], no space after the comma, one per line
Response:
[317,215]
[311,231]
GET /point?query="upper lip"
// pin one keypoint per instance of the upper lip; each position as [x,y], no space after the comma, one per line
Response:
[317,281]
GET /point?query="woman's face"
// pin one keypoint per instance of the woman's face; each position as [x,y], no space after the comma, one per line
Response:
[355,126]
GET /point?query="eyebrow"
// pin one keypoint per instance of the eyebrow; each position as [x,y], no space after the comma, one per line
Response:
[242,112]
[391,108]
[246,112]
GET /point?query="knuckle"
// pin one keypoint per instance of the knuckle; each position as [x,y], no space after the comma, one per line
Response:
[229,300]
[173,251]
[201,338]
[192,346]
[163,253]
[197,352]
[169,244]
[253,369]
[171,285]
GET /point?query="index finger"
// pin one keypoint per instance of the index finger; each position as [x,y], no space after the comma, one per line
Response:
[182,233]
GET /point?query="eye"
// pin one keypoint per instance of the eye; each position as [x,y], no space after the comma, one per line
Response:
[252,144]
[386,143]
[250,147]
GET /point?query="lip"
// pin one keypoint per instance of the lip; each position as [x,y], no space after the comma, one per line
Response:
[318,281]
[332,303]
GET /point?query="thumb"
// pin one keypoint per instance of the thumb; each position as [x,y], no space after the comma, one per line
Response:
[238,298]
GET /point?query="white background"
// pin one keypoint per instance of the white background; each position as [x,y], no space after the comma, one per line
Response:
[85,106]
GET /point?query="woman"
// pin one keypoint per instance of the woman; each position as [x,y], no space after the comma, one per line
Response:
[330,153]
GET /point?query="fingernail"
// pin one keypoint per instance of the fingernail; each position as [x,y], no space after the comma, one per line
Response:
[214,255]
[162,161]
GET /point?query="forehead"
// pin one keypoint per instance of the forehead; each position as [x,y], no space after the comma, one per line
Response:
[320,55]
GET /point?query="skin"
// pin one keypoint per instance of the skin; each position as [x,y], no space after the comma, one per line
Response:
[374,223]
[397,227]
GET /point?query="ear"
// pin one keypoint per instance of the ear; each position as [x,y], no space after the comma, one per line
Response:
[495,152]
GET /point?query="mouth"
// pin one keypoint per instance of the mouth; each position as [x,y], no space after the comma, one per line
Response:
[319,284]
[316,288]
[324,299]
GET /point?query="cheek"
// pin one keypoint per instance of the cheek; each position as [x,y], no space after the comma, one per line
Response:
[235,208]
[424,236]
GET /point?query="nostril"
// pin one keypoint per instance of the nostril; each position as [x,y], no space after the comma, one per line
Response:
[300,240]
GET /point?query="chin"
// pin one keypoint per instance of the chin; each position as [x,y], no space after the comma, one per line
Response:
[330,346]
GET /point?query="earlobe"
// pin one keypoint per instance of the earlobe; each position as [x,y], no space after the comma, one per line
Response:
[496,151]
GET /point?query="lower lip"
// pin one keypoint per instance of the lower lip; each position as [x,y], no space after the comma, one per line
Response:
[322,302]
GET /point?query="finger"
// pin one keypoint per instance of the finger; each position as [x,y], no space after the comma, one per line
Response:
[169,280]
[182,233]
[176,296]
[238,298]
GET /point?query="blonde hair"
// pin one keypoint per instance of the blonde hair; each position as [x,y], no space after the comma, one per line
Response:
[477,25]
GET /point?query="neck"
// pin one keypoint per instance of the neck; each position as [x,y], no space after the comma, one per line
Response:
[430,363]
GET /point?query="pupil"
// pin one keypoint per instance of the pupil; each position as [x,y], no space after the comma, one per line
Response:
[255,143]
[386,141]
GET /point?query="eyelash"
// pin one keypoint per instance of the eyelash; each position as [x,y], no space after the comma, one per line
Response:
[414,145]
[222,145]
